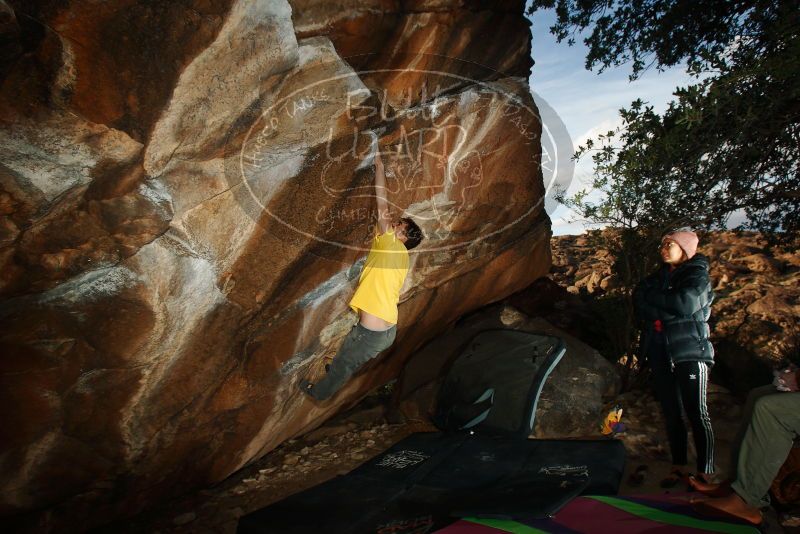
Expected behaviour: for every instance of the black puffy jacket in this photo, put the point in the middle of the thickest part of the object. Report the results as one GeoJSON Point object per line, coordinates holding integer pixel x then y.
{"type": "Point", "coordinates": [681, 300]}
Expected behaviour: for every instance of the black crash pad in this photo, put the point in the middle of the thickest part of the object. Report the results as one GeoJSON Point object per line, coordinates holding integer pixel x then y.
{"type": "Point", "coordinates": [433, 479]}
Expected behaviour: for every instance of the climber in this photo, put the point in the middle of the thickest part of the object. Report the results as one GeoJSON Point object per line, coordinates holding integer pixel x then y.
{"type": "Point", "coordinates": [377, 295]}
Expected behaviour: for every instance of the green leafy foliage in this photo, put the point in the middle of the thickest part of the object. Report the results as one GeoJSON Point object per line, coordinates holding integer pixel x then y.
{"type": "Point", "coordinates": [730, 142]}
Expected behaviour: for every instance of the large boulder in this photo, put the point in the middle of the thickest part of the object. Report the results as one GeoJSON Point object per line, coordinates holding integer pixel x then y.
{"type": "Point", "coordinates": [754, 316]}
{"type": "Point", "coordinates": [572, 399]}
{"type": "Point", "coordinates": [185, 203]}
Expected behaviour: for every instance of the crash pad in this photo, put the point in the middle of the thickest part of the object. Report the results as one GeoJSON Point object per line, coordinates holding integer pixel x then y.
{"type": "Point", "coordinates": [433, 479]}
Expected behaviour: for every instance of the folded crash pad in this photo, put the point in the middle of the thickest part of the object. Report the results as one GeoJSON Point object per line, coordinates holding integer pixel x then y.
{"type": "Point", "coordinates": [493, 385]}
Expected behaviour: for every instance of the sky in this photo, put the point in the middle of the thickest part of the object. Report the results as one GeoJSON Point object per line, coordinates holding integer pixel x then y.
{"type": "Point", "coordinates": [586, 102]}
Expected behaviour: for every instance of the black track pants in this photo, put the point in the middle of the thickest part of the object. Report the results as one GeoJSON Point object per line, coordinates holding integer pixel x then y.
{"type": "Point", "coordinates": [679, 389]}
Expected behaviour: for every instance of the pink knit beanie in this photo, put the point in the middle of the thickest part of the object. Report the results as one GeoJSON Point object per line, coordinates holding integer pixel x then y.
{"type": "Point", "coordinates": [685, 239]}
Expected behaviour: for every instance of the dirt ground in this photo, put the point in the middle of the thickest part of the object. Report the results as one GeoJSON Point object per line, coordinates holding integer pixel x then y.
{"type": "Point", "coordinates": [354, 437]}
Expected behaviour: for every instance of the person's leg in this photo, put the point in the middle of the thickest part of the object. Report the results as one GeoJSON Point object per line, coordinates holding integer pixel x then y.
{"type": "Point", "coordinates": [747, 415]}
{"type": "Point", "coordinates": [774, 425]}
{"type": "Point", "coordinates": [360, 345]}
{"type": "Point", "coordinates": [775, 422]}
{"type": "Point", "coordinates": [667, 394]}
{"type": "Point", "coordinates": [341, 367]}
{"type": "Point", "coordinates": [692, 379]}
{"type": "Point", "coordinates": [721, 489]}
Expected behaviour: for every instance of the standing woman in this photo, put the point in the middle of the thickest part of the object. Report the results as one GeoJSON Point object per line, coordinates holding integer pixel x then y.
{"type": "Point", "coordinates": [674, 304]}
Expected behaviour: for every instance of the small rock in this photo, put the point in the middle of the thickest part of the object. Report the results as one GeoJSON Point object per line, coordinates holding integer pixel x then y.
{"type": "Point", "coordinates": [326, 432]}
{"type": "Point", "coordinates": [291, 459]}
{"type": "Point", "coordinates": [511, 316]}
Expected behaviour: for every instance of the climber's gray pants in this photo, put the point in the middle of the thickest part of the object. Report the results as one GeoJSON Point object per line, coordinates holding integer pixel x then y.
{"type": "Point", "coordinates": [360, 346]}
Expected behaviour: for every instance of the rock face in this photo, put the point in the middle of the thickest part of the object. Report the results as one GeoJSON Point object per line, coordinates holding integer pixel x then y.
{"type": "Point", "coordinates": [185, 203]}
{"type": "Point", "coordinates": [757, 305]}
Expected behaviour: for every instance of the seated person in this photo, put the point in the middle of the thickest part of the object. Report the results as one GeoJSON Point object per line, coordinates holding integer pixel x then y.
{"type": "Point", "coordinates": [772, 422]}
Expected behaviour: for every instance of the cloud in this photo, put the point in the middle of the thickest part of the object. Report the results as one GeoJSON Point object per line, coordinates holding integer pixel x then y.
{"type": "Point", "coordinates": [603, 127]}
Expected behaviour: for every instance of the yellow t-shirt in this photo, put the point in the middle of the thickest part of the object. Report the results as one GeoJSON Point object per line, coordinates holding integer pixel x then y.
{"type": "Point", "coordinates": [384, 271]}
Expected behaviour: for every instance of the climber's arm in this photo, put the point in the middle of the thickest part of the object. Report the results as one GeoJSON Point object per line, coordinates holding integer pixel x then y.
{"type": "Point", "coordinates": [384, 218]}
